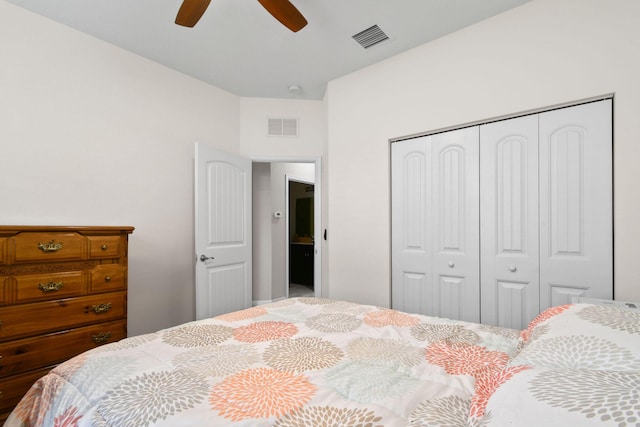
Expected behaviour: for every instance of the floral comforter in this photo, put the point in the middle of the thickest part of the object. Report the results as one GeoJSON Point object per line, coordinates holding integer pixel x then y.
{"type": "Point", "coordinates": [320, 362]}
{"type": "Point", "coordinates": [298, 362]}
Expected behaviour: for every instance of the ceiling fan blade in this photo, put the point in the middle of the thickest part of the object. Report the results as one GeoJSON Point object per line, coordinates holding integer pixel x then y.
{"type": "Point", "coordinates": [191, 11]}
{"type": "Point", "coordinates": [286, 13]}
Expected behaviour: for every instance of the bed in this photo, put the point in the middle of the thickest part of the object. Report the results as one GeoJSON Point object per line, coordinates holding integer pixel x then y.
{"type": "Point", "coordinates": [322, 362]}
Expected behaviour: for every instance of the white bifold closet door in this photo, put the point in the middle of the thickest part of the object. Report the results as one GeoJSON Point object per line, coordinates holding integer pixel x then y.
{"type": "Point", "coordinates": [576, 204]}
{"type": "Point", "coordinates": [546, 212]}
{"type": "Point", "coordinates": [509, 223]}
{"type": "Point", "coordinates": [497, 222]}
{"type": "Point", "coordinates": [435, 228]}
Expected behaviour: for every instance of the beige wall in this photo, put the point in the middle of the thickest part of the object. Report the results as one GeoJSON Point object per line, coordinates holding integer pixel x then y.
{"type": "Point", "coordinates": [540, 54]}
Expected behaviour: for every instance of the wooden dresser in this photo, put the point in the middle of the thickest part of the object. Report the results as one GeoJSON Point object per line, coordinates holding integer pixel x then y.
{"type": "Point", "coordinates": [63, 290]}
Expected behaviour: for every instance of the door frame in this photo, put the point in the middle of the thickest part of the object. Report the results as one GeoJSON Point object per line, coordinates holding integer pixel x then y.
{"type": "Point", "coordinates": [317, 214]}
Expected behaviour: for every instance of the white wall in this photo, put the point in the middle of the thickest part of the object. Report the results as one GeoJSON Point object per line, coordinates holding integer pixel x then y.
{"type": "Point", "coordinates": [93, 135]}
{"type": "Point", "coordinates": [256, 144]}
{"type": "Point", "coordinates": [540, 54]}
{"type": "Point", "coordinates": [262, 220]}
{"type": "Point", "coordinates": [309, 145]}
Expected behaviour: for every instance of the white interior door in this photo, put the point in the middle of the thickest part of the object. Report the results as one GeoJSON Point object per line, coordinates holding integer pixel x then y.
{"type": "Point", "coordinates": [222, 232]}
{"type": "Point", "coordinates": [576, 225]}
{"type": "Point", "coordinates": [509, 222]}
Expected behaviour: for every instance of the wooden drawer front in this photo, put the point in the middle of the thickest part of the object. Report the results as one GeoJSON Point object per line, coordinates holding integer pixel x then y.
{"type": "Point", "coordinates": [4, 289]}
{"type": "Point", "coordinates": [107, 277]}
{"type": "Point", "coordinates": [104, 246]}
{"type": "Point", "coordinates": [4, 241]}
{"type": "Point", "coordinates": [32, 353]}
{"type": "Point", "coordinates": [48, 246]}
{"type": "Point", "coordinates": [26, 319]}
{"type": "Point", "coordinates": [38, 287]}
{"type": "Point", "coordinates": [13, 388]}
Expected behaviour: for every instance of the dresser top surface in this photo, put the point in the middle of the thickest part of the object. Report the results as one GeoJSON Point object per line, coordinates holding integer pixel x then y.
{"type": "Point", "coordinates": [12, 229]}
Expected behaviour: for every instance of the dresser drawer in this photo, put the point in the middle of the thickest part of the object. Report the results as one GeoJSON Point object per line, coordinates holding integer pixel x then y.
{"type": "Point", "coordinates": [107, 277]}
{"type": "Point", "coordinates": [27, 319]}
{"type": "Point", "coordinates": [4, 242]}
{"type": "Point", "coordinates": [4, 288]}
{"type": "Point", "coordinates": [31, 247]}
{"type": "Point", "coordinates": [13, 388]}
{"type": "Point", "coordinates": [39, 287]}
{"type": "Point", "coordinates": [33, 353]}
{"type": "Point", "coordinates": [104, 246]}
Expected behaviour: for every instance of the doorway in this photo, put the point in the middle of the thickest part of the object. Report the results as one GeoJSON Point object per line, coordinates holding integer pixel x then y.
{"type": "Point", "coordinates": [272, 224]}
{"type": "Point", "coordinates": [301, 236]}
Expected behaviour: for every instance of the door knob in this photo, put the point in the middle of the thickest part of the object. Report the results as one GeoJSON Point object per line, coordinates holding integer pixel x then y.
{"type": "Point", "coordinates": [203, 257]}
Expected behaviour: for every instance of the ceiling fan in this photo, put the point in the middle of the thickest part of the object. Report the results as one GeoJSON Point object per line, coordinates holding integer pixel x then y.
{"type": "Point", "coordinates": [192, 10]}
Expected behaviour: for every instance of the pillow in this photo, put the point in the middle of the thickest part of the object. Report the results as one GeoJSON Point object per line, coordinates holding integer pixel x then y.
{"type": "Point", "coordinates": [566, 397]}
{"type": "Point", "coordinates": [582, 336]}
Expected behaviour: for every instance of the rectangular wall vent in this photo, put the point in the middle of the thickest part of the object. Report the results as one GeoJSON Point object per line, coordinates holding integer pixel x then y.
{"type": "Point", "coordinates": [370, 37]}
{"type": "Point", "coordinates": [282, 127]}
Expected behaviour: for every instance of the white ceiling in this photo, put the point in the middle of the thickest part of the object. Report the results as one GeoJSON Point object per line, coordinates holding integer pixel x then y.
{"type": "Point", "coordinates": [239, 47]}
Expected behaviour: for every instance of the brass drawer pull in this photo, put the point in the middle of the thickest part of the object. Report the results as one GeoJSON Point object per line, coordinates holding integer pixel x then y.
{"type": "Point", "coordinates": [52, 246]}
{"type": "Point", "coordinates": [104, 247]}
{"type": "Point", "coordinates": [101, 308]}
{"type": "Point", "coordinates": [107, 278]}
{"type": "Point", "coordinates": [50, 286]}
{"type": "Point", "coordinates": [101, 337]}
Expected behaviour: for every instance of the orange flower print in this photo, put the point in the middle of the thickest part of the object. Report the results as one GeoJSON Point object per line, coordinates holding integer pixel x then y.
{"type": "Point", "coordinates": [488, 367]}
{"type": "Point", "coordinates": [547, 314]}
{"type": "Point", "coordinates": [264, 331]}
{"type": "Point", "coordinates": [260, 393]}
{"type": "Point", "coordinates": [387, 317]}
{"type": "Point", "coordinates": [249, 313]}
{"type": "Point", "coordinates": [465, 359]}
{"type": "Point", "coordinates": [36, 403]}
{"type": "Point", "coordinates": [69, 418]}
{"type": "Point", "coordinates": [487, 384]}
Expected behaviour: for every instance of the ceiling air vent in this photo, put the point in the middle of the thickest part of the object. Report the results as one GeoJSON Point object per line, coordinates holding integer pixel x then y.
{"type": "Point", "coordinates": [283, 127]}
{"type": "Point", "coordinates": [371, 36]}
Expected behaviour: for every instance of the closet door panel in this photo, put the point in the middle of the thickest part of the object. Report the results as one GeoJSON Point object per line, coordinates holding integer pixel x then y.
{"type": "Point", "coordinates": [455, 226]}
{"type": "Point", "coordinates": [509, 222]}
{"type": "Point", "coordinates": [412, 288]}
{"type": "Point", "coordinates": [576, 226]}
